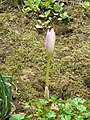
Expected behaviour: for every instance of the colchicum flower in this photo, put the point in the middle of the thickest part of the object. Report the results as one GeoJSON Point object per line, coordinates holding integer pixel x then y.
{"type": "Point", "coordinates": [50, 41]}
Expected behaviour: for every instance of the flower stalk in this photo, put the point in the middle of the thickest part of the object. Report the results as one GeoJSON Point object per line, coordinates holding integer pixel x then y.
{"type": "Point", "coordinates": [50, 42]}
{"type": "Point", "coordinates": [47, 72]}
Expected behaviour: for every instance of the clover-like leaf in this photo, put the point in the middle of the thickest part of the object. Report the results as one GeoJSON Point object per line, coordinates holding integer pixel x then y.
{"type": "Point", "coordinates": [81, 108]}
{"type": "Point", "coordinates": [51, 114]}
{"type": "Point", "coordinates": [65, 117]}
{"type": "Point", "coordinates": [17, 117]}
{"type": "Point", "coordinates": [78, 100]}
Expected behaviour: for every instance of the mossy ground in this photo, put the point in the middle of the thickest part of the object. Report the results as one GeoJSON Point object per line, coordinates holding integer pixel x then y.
{"type": "Point", "coordinates": [23, 55]}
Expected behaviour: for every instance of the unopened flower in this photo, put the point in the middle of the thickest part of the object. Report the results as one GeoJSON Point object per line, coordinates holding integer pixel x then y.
{"type": "Point", "coordinates": [50, 41]}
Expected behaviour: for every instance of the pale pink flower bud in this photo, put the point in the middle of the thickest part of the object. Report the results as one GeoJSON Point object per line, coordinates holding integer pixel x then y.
{"type": "Point", "coordinates": [50, 41]}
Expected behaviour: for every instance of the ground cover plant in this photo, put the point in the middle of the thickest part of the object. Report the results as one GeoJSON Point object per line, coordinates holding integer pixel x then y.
{"type": "Point", "coordinates": [23, 56]}
{"type": "Point", "coordinates": [55, 109]}
{"type": "Point", "coordinates": [46, 9]}
{"type": "Point", "coordinates": [86, 5]}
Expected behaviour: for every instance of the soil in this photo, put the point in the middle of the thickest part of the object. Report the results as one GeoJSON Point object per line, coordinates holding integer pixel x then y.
{"type": "Point", "coordinates": [23, 55]}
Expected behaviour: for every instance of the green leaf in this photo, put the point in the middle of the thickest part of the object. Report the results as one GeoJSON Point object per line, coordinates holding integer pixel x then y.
{"type": "Point", "coordinates": [46, 14]}
{"type": "Point", "coordinates": [79, 118]}
{"type": "Point", "coordinates": [30, 3]}
{"type": "Point", "coordinates": [43, 101]}
{"type": "Point", "coordinates": [81, 108]}
{"type": "Point", "coordinates": [68, 111]}
{"type": "Point", "coordinates": [60, 105]}
{"type": "Point", "coordinates": [51, 114]}
{"type": "Point", "coordinates": [17, 117]}
{"type": "Point", "coordinates": [64, 15]}
{"type": "Point", "coordinates": [78, 100]}
{"type": "Point", "coordinates": [29, 116]}
{"type": "Point", "coordinates": [87, 114]}
{"type": "Point", "coordinates": [26, 105]}
{"type": "Point", "coordinates": [61, 5]}
{"type": "Point", "coordinates": [52, 1]}
{"type": "Point", "coordinates": [56, 7]}
{"type": "Point", "coordinates": [53, 99]}
{"type": "Point", "coordinates": [65, 117]}
{"type": "Point", "coordinates": [47, 5]}
{"type": "Point", "coordinates": [86, 4]}
{"type": "Point", "coordinates": [37, 2]}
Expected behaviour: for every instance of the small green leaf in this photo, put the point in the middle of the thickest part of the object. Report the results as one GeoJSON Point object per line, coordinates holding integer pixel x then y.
{"type": "Point", "coordinates": [65, 117]}
{"type": "Point", "coordinates": [68, 111]}
{"type": "Point", "coordinates": [78, 100]}
{"type": "Point", "coordinates": [47, 5]}
{"type": "Point", "coordinates": [56, 8]}
{"type": "Point", "coordinates": [60, 105]}
{"type": "Point", "coordinates": [79, 118]}
{"type": "Point", "coordinates": [53, 99]}
{"type": "Point", "coordinates": [43, 101]}
{"type": "Point", "coordinates": [29, 116]}
{"type": "Point", "coordinates": [86, 4]}
{"type": "Point", "coordinates": [81, 108]}
{"type": "Point", "coordinates": [52, 1]}
{"type": "Point", "coordinates": [64, 15]}
{"type": "Point", "coordinates": [51, 114]}
{"type": "Point", "coordinates": [17, 117]}
{"type": "Point", "coordinates": [37, 2]}
{"type": "Point", "coordinates": [26, 105]}
{"type": "Point", "coordinates": [61, 5]}
{"type": "Point", "coordinates": [31, 3]}
{"type": "Point", "coordinates": [46, 14]}
{"type": "Point", "coordinates": [87, 114]}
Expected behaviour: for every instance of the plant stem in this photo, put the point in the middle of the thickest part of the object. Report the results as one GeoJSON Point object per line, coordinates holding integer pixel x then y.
{"type": "Point", "coordinates": [48, 69]}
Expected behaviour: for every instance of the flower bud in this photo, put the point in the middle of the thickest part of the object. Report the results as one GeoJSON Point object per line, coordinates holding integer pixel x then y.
{"type": "Point", "coordinates": [50, 41]}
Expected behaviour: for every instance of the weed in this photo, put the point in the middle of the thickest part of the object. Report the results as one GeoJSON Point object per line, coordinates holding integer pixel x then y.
{"type": "Point", "coordinates": [5, 96]}
{"type": "Point", "coordinates": [54, 109]}
{"type": "Point", "coordinates": [47, 10]}
{"type": "Point", "coordinates": [86, 5]}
